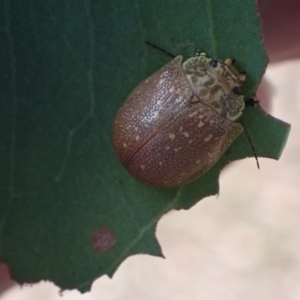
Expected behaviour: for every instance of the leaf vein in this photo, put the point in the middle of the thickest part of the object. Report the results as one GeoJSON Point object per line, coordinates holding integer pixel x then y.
{"type": "Point", "coordinates": [211, 27]}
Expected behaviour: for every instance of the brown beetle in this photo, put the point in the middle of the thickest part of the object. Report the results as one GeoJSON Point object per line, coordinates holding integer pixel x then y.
{"type": "Point", "coordinates": [176, 124]}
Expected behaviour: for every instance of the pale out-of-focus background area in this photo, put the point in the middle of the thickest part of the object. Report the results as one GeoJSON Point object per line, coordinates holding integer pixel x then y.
{"type": "Point", "coordinates": [243, 244]}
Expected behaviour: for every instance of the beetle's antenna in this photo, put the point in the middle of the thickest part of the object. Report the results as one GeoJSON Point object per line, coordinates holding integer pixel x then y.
{"type": "Point", "coordinates": [160, 49]}
{"type": "Point", "coordinates": [251, 144]}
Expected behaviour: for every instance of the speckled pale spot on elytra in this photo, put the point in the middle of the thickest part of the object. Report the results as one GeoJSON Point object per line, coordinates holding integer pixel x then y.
{"type": "Point", "coordinates": [160, 83]}
{"type": "Point", "coordinates": [158, 103]}
{"type": "Point", "coordinates": [160, 163]}
{"type": "Point", "coordinates": [193, 114]}
{"type": "Point", "coordinates": [201, 124]}
{"type": "Point", "coordinates": [136, 128]}
{"type": "Point", "coordinates": [190, 141]}
{"type": "Point", "coordinates": [185, 91]}
{"type": "Point", "coordinates": [208, 138]}
{"type": "Point", "coordinates": [167, 148]}
{"type": "Point", "coordinates": [178, 91]}
{"type": "Point", "coordinates": [179, 99]}
{"type": "Point", "coordinates": [186, 134]}
{"type": "Point", "coordinates": [124, 145]}
{"type": "Point", "coordinates": [137, 138]}
{"type": "Point", "coordinates": [176, 150]}
{"type": "Point", "coordinates": [156, 115]}
{"type": "Point", "coordinates": [172, 136]}
{"type": "Point", "coordinates": [142, 167]}
{"type": "Point", "coordinates": [172, 89]}
{"type": "Point", "coordinates": [180, 128]}
{"type": "Point", "coordinates": [198, 161]}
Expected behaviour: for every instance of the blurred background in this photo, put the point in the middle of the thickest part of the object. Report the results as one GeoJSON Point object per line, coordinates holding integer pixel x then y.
{"type": "Point", "coordinates": [243, 244]}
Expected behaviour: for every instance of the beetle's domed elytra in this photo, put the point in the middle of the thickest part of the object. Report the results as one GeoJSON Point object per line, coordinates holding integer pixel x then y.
{"type": "Point", "coordinates": [149, 105]}
{"type": "Point", "coordinates": [176, 124]}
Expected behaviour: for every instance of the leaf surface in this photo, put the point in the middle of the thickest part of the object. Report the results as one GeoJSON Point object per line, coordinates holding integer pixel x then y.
{"type": "Point", "coordinates": [69, 212]}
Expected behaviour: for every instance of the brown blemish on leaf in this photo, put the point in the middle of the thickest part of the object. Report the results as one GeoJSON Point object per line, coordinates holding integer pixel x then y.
{"type": "Point", "coordinates": [103, 239]}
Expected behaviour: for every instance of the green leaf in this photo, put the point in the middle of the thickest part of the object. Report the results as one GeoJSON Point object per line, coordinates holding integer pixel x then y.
{"type": "Point", "coordinates": [67, 67]}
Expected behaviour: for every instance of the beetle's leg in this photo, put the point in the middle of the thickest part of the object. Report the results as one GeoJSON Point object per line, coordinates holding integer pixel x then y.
{"type": "Point", "coordinates": [252, 102]}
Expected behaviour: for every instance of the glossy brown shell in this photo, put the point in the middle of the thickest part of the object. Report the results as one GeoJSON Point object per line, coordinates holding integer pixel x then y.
{"type": "Point", "coordinates": [175, 125]}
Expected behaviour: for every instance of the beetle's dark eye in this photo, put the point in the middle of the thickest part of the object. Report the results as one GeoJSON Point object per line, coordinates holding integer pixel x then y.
{"type": "Point", "coordinates": [213, 63]}
{"type": "Point", "coordinates": [237, 90]}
